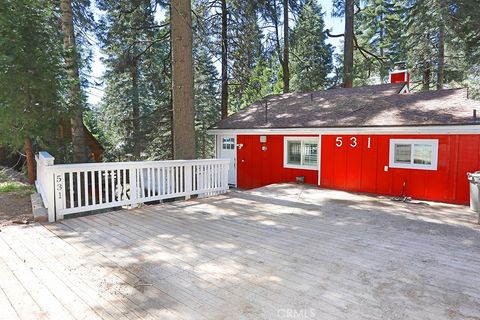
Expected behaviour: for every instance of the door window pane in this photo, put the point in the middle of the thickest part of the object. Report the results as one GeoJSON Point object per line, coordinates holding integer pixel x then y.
{"type": "Point", "coordinates": [228, 144]}
{"type": "Point", "coordinates": [310, 153]}
{"type": "Point", "coordinates": [294, 152]}
{"type": "Point", "coordinates": [422, 154]}
{"type": "Point", "coordinates": [403, 153]}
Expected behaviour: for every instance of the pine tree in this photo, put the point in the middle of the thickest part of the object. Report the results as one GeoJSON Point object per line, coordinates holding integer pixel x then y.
{"type": "Point", "coordinates": [380, 42]}
{"type": "Point", "coordinates": [137, 93]}
{"type": "Point", "coordinates": [72, 65]}
{"type": "Point", "coordinates": [311, 55]}
{"type": "Point", "coordinates": [32, 79]}
{"type": "Point", "coordinates": [246, 51]}
{"type": "Point", "coordinates": [206, 101]}
{"type": "Point", "coordinates": [182, 80]}
{"type": "Point", "coordinates": [208, 104]}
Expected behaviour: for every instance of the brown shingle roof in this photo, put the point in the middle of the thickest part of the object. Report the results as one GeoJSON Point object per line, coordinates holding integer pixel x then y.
{"type": "Point", "coordinates": [377, 105]}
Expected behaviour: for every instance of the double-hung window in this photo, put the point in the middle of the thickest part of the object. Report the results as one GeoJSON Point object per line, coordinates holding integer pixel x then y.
{"type": "Point", "coordinates": [414, 153]}
{"type": "Point", "coordinates": [301, 153]}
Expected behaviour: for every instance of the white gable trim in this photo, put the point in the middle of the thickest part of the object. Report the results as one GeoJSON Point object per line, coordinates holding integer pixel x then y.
{"type": "Point", "coordinates": [459, 129]}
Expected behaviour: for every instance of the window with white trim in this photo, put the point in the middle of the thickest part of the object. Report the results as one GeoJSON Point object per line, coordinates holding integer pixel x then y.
{"type": "Point", "coordinates": [414, 153]}
{"type": "Point", "coordinates": [228, 143]}
{"type": "Point", "coordinates": [301, 153]}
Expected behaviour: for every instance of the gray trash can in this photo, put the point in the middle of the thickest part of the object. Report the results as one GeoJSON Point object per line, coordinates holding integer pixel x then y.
{"type": "Point", "coordinates": [474, 180]}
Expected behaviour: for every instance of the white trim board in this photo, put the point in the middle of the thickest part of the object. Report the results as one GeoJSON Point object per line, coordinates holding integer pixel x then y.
{"type": "Point", "coordinates": [460, 129]}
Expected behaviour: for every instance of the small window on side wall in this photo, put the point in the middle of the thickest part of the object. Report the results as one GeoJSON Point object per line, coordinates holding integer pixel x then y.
{"type": "Point", "coordinates": [301, 153]}
{"type": "Point", "coordinates": [414, 154]}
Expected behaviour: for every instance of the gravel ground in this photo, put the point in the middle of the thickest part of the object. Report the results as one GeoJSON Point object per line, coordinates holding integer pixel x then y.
{"type": "Point", "coordinates": [15, 207]}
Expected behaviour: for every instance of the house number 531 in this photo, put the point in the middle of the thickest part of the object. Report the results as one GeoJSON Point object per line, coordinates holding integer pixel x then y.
{"type": "Point", "coordinates": [352, 142]}
{"type": "Point", "coordinates": [59, 186]}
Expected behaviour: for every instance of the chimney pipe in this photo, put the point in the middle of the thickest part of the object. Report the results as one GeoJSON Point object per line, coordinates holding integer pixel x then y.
{"type": "Point", "coordinates": [400, 74]}
{"type": "Point", "coordinates": [266, 110]}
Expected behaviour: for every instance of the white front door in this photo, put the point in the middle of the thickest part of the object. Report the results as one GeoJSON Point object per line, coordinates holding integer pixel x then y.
{"type": "Point", "coordinates": [228, 150]}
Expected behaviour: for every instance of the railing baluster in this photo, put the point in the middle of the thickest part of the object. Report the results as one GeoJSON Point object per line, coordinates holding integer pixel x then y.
{"type": "Point", "coordinates": [176, 180]}
{"type": "Point", "coordinates": [182, 182]}
{"type": "Point", "coordinates": [169, 179]}
{"type": "Point", "coordinates": [142, 184]}
{"type": "Point", "coordinates": [150, 182]}
{"type": "Point", "coordinates": [94, 188]}
{"type": "Point", "coordinates": [158, 182]}
{"type": "Point", "coordinates": [107, 187]}
{"type": "Point", "coordinates": [85, 175]}
{"type": "Point", "coordinates": [124, 184]}
{"type": "Point", "coordinates": [79, 189]}
{"type": "Point", "coordinates": [71, 191]}
{"type": "Point", "coordinates": [113, 186]}
{"type": "Point", "coordinates": [100, 186]}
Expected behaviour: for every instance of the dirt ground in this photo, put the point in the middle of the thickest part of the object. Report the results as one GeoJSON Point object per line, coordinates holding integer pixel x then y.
{"type": "Point", "coordinates": [15, 207]}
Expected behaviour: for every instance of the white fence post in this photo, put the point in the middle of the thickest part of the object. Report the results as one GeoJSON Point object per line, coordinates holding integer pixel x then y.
{"type": "Point", "coordinates": [225, 176]}
{"type": "Point", "coordinates": [188, 181]}
{"type": "Point", "coordinates": [45, 182]}
{"type": "Point", "coordinates": [133, 186]}
{"type": "Point", "coordinates": [59, 186]}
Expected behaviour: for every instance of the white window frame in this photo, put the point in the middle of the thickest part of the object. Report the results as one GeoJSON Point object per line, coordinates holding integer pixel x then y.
{"type": "Point", "coordinates": [411, 165]}
{"type": "Point", "coordinates": [232, 144]}
{"type": "Point", "coordinates": [302, 140]}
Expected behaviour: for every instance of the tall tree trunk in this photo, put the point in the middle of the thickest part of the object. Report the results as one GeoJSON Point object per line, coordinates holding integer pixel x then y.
{"type": "Point", "coordinates": [426, 77]}
{"type": "Point", "coordinates": [30, 161]}
{"type": "Point", "coordinates": [383, 72]}
{"type": "Point", "coordinates": [348, 46]}
{"type": "Point", "coordinates": [441, 46]}
{"type": "Point", "coordinates": [135, 111]}
{"type": "Point", "coordinates": [204, 139]}
{"type": "Point", "coordinates": [182, 80]}
{"type": "Point", "coordinates": [80, 153]}
{"type": "Point", "coordinates": [286, 69]}
{"type": "Point", "coordinates": [274, 15]}
{"type": "Point", "coordinates": [224, 108]}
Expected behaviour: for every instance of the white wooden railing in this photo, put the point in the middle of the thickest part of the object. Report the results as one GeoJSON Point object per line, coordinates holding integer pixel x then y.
{"type": "Point", "coordinates": [74, 188]}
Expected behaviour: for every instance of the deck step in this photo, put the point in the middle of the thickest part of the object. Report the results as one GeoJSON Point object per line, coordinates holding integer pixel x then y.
{"type": "Point", "coordinates": [40, 213]}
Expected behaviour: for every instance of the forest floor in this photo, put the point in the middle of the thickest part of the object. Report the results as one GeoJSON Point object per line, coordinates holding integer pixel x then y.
{"type": "Point", "coordinates": [15, 204]}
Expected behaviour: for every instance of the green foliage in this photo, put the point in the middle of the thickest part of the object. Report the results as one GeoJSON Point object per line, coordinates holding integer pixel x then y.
{"type": "Point", "coordinates": [207, 101]}
{"type": "Point", "coordinates": [379, 29]}
{"type": "Point", "coordinates": [135, 111]}
{"type": "Point", "coordinates": [15, 186]}
{"type": "Point", "coordinates": [246, 53]}
{"type": "Point", "coordinates": [311, 55]}
{"type": "Point", "coordinates": [31, 77]}
{"type": "Point", "coordinates": [206, 84]}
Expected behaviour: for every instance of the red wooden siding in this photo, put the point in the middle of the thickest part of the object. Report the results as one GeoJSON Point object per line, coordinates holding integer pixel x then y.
{"type": "Point", "coordinates": [361, 169]}
{"type": "Point", "coordinates": [256, 168]}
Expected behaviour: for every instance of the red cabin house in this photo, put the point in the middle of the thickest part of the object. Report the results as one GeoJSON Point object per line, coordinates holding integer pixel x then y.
{"type": "Point", "coordinates": [378, 139]}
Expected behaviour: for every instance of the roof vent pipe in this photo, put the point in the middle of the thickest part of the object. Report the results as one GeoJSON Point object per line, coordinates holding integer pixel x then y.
{"type": "Point", "coordinates": [475, 115]}
{"type": "Point", "coordinates": [266, 110]}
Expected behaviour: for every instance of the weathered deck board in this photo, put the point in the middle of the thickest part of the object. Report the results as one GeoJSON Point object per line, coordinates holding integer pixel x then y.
{"type": "Point", "coordinates": [270, 253]}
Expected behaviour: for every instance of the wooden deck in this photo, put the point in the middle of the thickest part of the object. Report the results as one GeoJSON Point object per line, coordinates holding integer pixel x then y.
{"type": "Point", "coordinates": [280, 252]}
